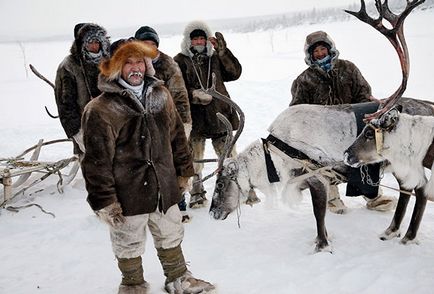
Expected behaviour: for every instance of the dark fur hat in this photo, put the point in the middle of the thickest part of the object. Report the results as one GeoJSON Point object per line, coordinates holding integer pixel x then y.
{"type": "Point", "coordinates": [147, 33]}
{"type": "Point", "coordinates": [197, 33]}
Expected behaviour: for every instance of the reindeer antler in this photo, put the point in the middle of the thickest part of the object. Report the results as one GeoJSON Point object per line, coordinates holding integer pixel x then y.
{"type": "Point", "coordinates": [396, 36]}
{"type": "Point", "coordinates": [230, 140]}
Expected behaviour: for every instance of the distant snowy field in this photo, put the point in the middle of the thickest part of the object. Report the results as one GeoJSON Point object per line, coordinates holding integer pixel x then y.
{"type": "Point", "coordinates": [272, 252]}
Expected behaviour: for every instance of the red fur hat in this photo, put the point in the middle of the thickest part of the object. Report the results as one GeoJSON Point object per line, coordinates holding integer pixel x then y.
{"type": "Point", "coordinates": [112, 68]}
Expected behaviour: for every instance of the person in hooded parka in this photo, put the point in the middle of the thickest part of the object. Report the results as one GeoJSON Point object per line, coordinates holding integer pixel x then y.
{"type": "Point", "coordinates": [77, 78]}
{"type": "Point", "coordinates": [329, 80]}
{"type": "Point", "coordinates": [202, 55]}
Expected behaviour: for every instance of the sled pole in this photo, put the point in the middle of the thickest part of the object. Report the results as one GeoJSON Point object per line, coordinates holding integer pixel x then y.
{"type": "Point", "coordinates": [39, 75]}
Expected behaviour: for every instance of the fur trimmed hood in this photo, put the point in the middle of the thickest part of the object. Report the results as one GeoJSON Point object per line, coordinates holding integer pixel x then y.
{"type": "Point", "coordinates": [186, 41]}
{"type": "Point", "coordinates": [86, 32]}
{"type": "Point", "coordinates": [111, 68]}
{"type": "Point", "coordinates": [314, 38]}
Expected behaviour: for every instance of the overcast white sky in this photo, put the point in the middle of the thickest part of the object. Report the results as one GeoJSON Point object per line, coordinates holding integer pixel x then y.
{"type": "Point", "coordinates": [54, 17]}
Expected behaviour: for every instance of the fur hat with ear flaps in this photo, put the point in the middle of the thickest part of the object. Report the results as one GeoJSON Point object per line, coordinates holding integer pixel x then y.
{"type": "Point", "coordinates": [111, 68]}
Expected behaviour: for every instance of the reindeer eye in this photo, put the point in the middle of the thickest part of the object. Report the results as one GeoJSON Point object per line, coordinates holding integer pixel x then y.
{"type": "Point", "coordinates": [220, 185]}
{"type": "Point", "coordinates": [369, 134]}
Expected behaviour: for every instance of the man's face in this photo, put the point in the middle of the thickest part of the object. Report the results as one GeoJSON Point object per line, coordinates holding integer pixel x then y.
{"type": "Point", "coordinates": [198, 41]}
{"type": "Point", "coordinates": [320, 52]}
{"type": "Point", "coordinates": [133, 71]}
{"type": "Point", "coordinates": [93, 46]}
{"type": "Point", "coordinates": [150, 43]}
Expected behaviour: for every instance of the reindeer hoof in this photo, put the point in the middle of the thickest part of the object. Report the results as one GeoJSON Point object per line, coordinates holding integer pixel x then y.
{"type": "Point", "coordinates": [322, 245]}
{"type": "Point", "coordinates": [408, 241]}
{"type": "Point", "coordinates": [387, 235]}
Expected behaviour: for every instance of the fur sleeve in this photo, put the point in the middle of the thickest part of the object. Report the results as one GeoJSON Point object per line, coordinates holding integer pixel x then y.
{"type": "Point", "coordinates": [66, 99]}
{"type": "Point", "coordinates": [182, 158]}
{"type": "Point", "coordinates": [97, 164]}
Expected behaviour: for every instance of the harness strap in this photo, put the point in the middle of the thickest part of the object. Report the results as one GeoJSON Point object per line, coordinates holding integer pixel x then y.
{"type": "Point", "coordinates": [288, 150]}
{"type": "Point", "coordinates": [271, 169]}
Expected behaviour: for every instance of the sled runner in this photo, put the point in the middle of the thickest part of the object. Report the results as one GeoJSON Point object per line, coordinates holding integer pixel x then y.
{"type": "Point", "coordinates": [16, 171]}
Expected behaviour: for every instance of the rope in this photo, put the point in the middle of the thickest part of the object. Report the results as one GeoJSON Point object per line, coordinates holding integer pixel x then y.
{"type": "Point", "coordinates": [17, 208]}
{"type": "Point", "coordinates": [198, 76]}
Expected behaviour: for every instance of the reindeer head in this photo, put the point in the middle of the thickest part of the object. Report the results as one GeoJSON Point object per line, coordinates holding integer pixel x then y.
{"type": "Point", "coordinates": [227, 191]}
{"type": "Point", "coordinates": [368, 147]}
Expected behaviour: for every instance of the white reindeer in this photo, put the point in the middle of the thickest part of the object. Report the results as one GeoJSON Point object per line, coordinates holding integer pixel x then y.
{"type": "Point", "coordinates": [406, 142]}
{"type": "Point", "coordinates": [319, 133]}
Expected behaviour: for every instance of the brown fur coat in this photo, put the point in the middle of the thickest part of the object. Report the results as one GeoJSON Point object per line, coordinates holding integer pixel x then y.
{"type": "Point", "coordinates": [133, 152]}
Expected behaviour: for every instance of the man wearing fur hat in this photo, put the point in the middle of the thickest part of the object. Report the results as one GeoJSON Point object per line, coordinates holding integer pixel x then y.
{"type": "Point", "coordinates": [77, 78]}
{"type": "Point", "coordinates": [329, 80]}
{"type": "Point", "coordinates": [201, 55]}
{"type": "Point", "coordinates": [167, 70]}
{"type": "Point", "coordinates": [136, 160]}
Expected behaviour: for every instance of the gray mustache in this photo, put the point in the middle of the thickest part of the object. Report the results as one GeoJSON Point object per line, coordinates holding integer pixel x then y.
{"type": "Point", "coordinates": [135, 73]}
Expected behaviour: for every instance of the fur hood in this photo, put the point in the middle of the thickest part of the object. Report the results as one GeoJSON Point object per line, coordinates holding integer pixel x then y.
{"type": "Point", "coordinates": [86, 32]}
{"type": "Point", "coordinates": [112, 68]}
{"type": "Point", "coordinates": [186, 41]}
{"type": "Point", "coordinates": [316, 37]}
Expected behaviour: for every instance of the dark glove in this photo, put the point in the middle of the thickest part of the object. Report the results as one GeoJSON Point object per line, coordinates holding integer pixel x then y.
{"type": "Point", "coordinates": [111, 215]}
{"type": "Point", "coordinates": [221, 43]}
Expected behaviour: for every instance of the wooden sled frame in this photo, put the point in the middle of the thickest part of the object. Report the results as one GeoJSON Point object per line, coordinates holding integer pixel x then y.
{"type": "Point", "coordinates": [18, 167]}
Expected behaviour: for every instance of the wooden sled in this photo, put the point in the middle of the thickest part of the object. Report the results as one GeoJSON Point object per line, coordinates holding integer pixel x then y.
{"type": "Point", "coordinates": [21, 169]}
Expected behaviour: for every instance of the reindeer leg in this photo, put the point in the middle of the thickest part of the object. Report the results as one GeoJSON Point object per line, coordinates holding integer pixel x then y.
{"type": "Point", "coordinates": [416, 217]}
{"type": "Point", "coordinates": [393, 230]}
{"type": "Point", "coordinates": [319, 202]}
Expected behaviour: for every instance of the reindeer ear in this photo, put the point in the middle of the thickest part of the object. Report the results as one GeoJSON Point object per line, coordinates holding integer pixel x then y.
{"type": "Point", "coordinates": [399, 108]}
{"type": "Point", "coordinates": [389, 119]}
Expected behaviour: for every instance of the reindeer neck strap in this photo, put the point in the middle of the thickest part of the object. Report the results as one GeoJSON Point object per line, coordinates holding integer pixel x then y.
{"type": "Point", "coordinates": [288, 150]}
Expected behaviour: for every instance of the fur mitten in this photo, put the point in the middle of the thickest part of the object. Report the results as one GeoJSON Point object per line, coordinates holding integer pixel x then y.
{"type": "Point", "coordinates": [111, 215]}
{"type": "Point", "coordinates": [200, 97]}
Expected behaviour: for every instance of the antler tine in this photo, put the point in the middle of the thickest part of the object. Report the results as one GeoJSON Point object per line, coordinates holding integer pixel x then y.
{"type": "Point", "coordinates": [213, 92]}
{"type": "Point", "coordinates": [230, 139]}
{"type": "Point", "coordinates": [226, 149]}
{"type": "Point", "coordinates": [396, 37]}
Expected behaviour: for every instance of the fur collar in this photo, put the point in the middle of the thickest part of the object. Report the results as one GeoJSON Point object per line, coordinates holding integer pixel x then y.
{"type": "Point", "coordinates": [155, 95]}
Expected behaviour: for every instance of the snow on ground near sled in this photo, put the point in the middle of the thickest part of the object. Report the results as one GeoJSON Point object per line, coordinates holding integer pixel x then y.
{"type": "Point", "coordinates": [272, 251]}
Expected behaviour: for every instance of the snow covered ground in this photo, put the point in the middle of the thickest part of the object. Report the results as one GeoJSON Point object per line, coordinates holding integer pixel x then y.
{"type": "Point", "coordinates": [272, 251]}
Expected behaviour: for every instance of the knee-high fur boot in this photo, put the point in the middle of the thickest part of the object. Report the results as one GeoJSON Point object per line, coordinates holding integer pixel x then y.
{"type": "Point", "coordinates": [132, 276]}
{"type": "Point", "coordinates": [172, 261]}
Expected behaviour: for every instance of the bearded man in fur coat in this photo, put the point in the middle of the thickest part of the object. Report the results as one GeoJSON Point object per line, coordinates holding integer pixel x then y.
{"type": "Point", "coordinates": [329, 80]}
{"type": "Point", "coordinates": [77, 78]}
{"type": "Point", "coordinates": [136, 160]}
{"type": "Point", "coordinates": [201, 56]}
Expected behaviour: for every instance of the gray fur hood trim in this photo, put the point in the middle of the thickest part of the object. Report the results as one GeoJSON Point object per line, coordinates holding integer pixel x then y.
{"type": "Point", "coordinates": [315, 37]}
{"type": "Point", "coordinates": [87, 31]}
{"type": "Point", "coordinates": [186, 42]}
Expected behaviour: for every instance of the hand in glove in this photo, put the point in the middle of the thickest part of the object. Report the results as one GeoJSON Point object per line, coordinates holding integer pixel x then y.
{"type": "Point", "coordinates": [78, 138]}
{"type": "Point", "coordinates": [218, 43]}
{"type": "Point", "coordinates": [200, 97]}
{"type": "Point", "coordinates": [111, 215]}
{"type": "Point", "coordinates": [184, 183]}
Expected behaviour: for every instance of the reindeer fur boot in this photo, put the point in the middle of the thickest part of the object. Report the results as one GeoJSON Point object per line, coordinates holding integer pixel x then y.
{"type": "Point", "coordinates": [178, 279]}
{"type": "Point", "coordinates": [187, 284]}
{"type": "Point", "coordinates": [132, 276]}
{"type": "Point", "coordinates": [381, 202]}
{"type": "Point", "coordinates": [197, 193]}
{"type": "Point", "coordinates": [334, 202]}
